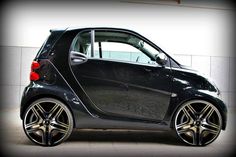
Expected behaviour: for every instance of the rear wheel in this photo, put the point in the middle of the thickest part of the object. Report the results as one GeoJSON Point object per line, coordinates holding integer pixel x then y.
{"type": "Point", "coordinates": [48, 122]}
{"type": "Point", "coordinates": [198, 123]}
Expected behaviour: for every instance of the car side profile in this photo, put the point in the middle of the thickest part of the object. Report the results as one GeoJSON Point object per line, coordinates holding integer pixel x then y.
{"type": "Point", "coordinates": [113, 78]}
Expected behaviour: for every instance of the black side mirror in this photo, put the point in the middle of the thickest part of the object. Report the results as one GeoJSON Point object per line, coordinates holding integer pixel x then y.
{"type": "Point", "coordinates": [161, 58]}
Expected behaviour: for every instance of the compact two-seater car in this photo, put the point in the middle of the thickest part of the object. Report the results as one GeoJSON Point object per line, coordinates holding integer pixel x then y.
{"type": "Point", "coordinates": [116, 79]}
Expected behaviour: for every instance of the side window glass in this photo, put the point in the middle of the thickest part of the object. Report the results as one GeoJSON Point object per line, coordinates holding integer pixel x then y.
{"type": "Point", "coordinates": [113, 45]}
{"type": "Point", "coordinates": [122, 52]}
{"type": "Point", "coordinates": [121, 47]}
{"type": "Point", "coordinates": [82, 43]}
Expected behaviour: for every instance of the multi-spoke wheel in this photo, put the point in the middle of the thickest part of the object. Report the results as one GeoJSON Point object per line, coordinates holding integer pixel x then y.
{"type": "Point", "coordinates": [198, 122]}
{"type": "Point", "coordinates": [48, 122]}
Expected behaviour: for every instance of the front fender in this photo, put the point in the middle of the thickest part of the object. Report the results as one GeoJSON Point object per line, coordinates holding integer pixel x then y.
{"type": "Point", "coordinates": [193, 94]}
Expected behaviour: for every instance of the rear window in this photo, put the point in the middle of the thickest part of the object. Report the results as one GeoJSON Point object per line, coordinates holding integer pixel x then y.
{"type": "Point", "coordinates": [48, 44]}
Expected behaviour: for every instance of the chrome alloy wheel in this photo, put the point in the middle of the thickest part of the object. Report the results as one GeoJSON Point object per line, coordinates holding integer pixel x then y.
{"type": "Point", "coordinates": [198, 122]}
{"type": "Point", "coordinates": [48, 122]}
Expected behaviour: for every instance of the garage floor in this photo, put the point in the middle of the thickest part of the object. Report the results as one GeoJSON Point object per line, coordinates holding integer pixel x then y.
{"type": "Point", "coordinates": [110, 143]}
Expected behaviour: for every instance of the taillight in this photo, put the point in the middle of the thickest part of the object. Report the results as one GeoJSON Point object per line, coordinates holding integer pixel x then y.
{"type": "Point", "coordinates": [34, 76]}
{"type": "Point", "coordinates": [35, 65]}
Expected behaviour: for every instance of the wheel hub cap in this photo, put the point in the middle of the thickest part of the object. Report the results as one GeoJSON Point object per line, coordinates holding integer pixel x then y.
{"type": "Point", "coordinates": [198, 122]}
{"type": "Point", "coordinates": [46, 122]}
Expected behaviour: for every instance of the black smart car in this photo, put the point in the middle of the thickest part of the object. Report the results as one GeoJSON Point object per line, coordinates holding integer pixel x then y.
{"type": "Point", "coordinates": [116, 79]}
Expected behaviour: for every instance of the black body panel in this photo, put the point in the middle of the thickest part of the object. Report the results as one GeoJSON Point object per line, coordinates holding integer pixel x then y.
{"type": "Point", "coordinates": [113, 88]}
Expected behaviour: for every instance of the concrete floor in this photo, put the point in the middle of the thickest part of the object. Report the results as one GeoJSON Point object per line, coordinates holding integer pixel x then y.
{"type": "Point", "coordinates": [109, 143]}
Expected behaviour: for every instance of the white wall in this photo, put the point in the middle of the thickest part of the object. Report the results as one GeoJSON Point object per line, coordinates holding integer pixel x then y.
{"type": "Point", "coordinates": [185, 30]}
{"type": "Point", "coordinates": [198, 37]}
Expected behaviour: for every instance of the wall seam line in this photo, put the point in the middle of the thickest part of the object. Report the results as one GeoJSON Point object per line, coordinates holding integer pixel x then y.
{"type": "Point", "coordinates": [20, 74]}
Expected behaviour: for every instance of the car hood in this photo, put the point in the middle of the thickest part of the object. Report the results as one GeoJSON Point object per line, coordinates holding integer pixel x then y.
{"type": "Point", "coordinates": [191, 70]}
{"type": "Point", "coordinates": [194, 71]}
{"type": "Point", "coordinates": [188, 68]}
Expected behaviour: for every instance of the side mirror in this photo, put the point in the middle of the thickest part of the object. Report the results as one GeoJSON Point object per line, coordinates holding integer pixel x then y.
{"type": "Point", "coordinates": [161, 58]}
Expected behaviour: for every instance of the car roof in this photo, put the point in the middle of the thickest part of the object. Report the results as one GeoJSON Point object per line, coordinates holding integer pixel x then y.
{"type": "Point", "coordinates": [80, 28]}
{"type": "Point", "coordinates": [83, 28]}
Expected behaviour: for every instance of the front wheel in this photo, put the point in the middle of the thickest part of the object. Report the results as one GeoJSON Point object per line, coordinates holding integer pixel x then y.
{"type": "Point", "coordinates": [48, 122]}
{"type": "Point", "coordinates": [197, 122]}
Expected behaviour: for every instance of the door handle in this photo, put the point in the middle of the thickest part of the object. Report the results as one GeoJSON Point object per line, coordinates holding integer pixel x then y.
{"type": "Point", "coordinates": [77, 57]}
{"type": "Point", "coordinates": [147, 70]}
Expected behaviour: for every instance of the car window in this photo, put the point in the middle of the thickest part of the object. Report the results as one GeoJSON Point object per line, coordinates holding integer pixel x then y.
{"type": "Point", "coordinates": [120, 52]}
{"type": "Point", "coordinates": [82, 43]}
{"type": "Point", "coordinates": [116, 46]}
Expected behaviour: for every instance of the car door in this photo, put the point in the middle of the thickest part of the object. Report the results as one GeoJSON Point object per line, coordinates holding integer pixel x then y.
{"type": "Point", "coordinates": [119, 78]}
